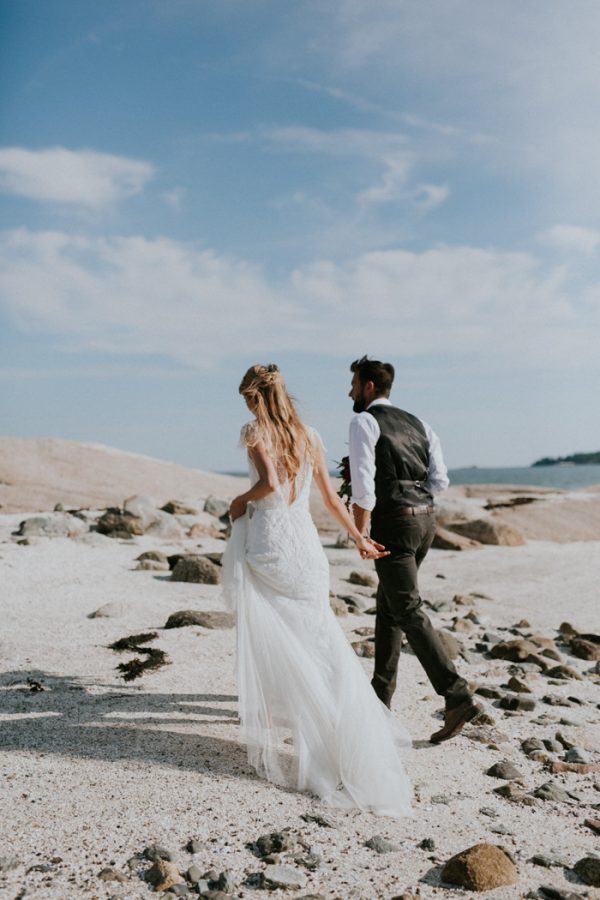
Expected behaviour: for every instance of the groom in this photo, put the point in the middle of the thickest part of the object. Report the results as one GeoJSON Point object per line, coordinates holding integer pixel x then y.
{"type": "Point", "coordinates": [396, 466]}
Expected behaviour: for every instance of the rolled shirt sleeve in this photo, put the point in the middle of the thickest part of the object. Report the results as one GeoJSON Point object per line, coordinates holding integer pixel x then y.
{"type": "Point", "coordinates": [364, 434]}
{"type": "Point", "coordinates": [437, 480]}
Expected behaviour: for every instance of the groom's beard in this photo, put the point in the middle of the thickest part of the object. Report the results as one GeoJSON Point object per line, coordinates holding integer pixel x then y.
{"type": "Point", "coordinates": [359, 405]}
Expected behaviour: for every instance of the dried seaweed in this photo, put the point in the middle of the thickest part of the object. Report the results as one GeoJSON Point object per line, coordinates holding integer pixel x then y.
{"type": "Point", "coordinates": [136, 667]}
{"type": "Point", "coordinates": [133, 641]}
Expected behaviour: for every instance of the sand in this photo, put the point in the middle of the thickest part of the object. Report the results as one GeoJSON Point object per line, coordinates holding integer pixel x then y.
{"type": "Point", "coordinates": [93, 769]}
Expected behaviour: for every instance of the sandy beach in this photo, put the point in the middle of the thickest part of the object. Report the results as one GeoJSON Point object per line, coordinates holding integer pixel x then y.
{"type": "Point", "coordinates": [96, 769]}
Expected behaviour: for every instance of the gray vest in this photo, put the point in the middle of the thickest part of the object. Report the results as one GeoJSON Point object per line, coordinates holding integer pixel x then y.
{"type": "Point", "coordinates": [401, 464]}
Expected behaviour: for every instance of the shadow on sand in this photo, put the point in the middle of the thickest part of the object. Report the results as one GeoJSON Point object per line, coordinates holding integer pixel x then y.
{"type": "Point", "coordinates": [122, 724]}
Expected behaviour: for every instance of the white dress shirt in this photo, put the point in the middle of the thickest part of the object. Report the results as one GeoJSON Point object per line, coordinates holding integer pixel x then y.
{"type": "Point", "coordinates": [364, 434]}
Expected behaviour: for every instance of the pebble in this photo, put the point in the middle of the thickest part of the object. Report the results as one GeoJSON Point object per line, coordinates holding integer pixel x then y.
{"type": "Point", "coordinates": [575, 755]}
{"type": "Point", "coordinates": [552, 745]}
{"type": "Point", "coordinates": [155, 851]}
{"type": "Point", "coordinates": [427, 844]}
{"type": "Point", "coordinates": [380, 844]}
{"type": "Point", "coordinates": [549, 860]}
{"type": "Point", "coordinates": [194, 846]}
{"type": "Point", "coordinates": [283, 877]}
{"type": "Point", "coordinates": [517, 702]}
{"type": "Point", "coordinates": [515, 684]}
{"type": "Point", "coordinates": [108, 874]}
{"type": "Point", "coordinates": [505, 769]}
{"type": "Point", "coordinates": [552, 792]}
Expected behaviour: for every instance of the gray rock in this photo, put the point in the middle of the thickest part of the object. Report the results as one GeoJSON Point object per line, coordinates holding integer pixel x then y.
{"type": "Point", "coordinates": [552, 746]}
{"type": "Point", "coordinates": [273, 842]}
{"type": "Point", "coordinates": [365, 579]}
{"type": "Point", "coordinates": [504, 769]}
{"type": "Point", "coordinates": [194, 845]}
{"type": "Point", "coordinates": [489, 531]}
{"type": "Point", "coordinates": [575, 755]}
{"type": "Point", "coordinates": [452, 646]}
{"type": "Point", "coordinates": [587, 870]}
{"type": "Point", "coordinates": [284, 877]}
{"type": "Point", "coordinates": [549, 892]}
{"type": "Point", "coordinates": [380, 844]}
{"type": "Point", "coordinates": [319, 819]}
{"type": "Point", "coordinates": [156, 555]}
{"type": "Point", "coordinates": [211, 618]}
{"type": "Point", "coordinates": [165, 527]}
{"type": "Point", "coordinates": [196, 569]}
{"type": "Point", "coordinates": [155, 851]}
{"type": "Point", "coordinates": [365, 649]}
{"type": "Point", "coordinates": [118, 524]}
{"type": "Point", "coordinates": [51, 526]}
{"type": "Point", "coordinates": [152, 565]}
{"type": "Point", "coordinates": [216, 507]}
{"type": "Point", "coordinates": [338, 606]}
{"type": "Point", "coordinates": [427, 844]}
{"type": "Point", "coordinates": [109, 874]}
{"type": "Point", "coordinates": [550, 860]}
{"type": "Point", "coordinates": [552, 792]}
{"type": "Point", "coordinates": [226, 882]}
{"type": "Point", "coordinates": [193, 874]}
{"type": "Point", "coordinates": [517, 702]}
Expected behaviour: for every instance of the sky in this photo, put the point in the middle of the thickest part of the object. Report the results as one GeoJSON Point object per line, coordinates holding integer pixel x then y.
{"type": "Point", "coordinates": [190, 187]}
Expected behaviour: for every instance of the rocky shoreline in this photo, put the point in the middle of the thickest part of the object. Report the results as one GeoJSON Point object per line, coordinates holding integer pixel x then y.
{"type": "Point", "coordinates": [122, 771]}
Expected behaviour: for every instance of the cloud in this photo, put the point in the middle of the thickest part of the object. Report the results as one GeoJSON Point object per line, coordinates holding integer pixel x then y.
{"type": "Point", "coordinates": [138, 296]}
{"type": "Point", "coordinates": [571, 238]}
{"type": "Point", "coordinates": [83, 178]}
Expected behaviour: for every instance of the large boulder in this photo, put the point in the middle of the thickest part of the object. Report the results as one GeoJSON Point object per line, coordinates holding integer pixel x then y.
{"type": "Point", "coordinates": [489, 531]}
{"type": "Point", "coordinates": [450, 540]}
{"type": "Point", "coordinates": [480, 868]}
{"type": "Point", "coordinates": [216, 507]}
{"type": "Point", "coordinates": [52, 525]}
{"type": "Point", "coordinates": [118, 523]}
{"type": "Point", "coordinates": [519, 650]}
{"type": "Point", "coordinates": [165, 527]}
{"type": "Point", "coordinates": [144, 507]}
{"type": "Point", "coordinates": [586, 646]}
{"type": "Point", "coordinates": [197, 569]}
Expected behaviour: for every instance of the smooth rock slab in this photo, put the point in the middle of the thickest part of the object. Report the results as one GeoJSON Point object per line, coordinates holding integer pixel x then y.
{"type": "Point", "coordinates": [284, 877]}
{"type": "Point", "coordinates": [480, 868]}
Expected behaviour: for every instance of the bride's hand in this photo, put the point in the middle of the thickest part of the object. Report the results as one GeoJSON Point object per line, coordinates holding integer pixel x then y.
{"type": "Point", "coordinates": [237, 508]}
{"type": "Point", "coordinates": [370, 549]}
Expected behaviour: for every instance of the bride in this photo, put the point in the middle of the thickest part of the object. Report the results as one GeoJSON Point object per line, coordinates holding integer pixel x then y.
{"type": "Point", "coordinates": [309, 716]}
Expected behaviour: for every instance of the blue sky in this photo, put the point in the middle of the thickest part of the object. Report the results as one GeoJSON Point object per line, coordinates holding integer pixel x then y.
{"type": "Point", "coordinates": [189, 187]}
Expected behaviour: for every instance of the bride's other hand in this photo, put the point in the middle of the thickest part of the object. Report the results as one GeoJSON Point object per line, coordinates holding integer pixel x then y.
{"type": "Point", "coordinates": [370, 549]}
{"type": "Point", "coordinates": [237, 508]}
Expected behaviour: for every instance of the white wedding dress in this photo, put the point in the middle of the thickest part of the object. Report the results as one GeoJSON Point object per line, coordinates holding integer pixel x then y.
{"type": "Point", "coordinates": [309, 717]}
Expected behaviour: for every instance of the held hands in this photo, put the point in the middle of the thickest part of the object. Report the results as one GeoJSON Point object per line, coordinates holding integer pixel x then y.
{"type": "Point", "coordinates": [237, 508]}
{"type": "Point", "coordinates": [370, 549]}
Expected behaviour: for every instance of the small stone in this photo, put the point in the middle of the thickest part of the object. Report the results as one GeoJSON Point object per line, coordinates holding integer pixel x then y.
{"type": "Point", "coordinates": [365, 579]}
{"type": "Point", "coordinates": [564, 672]}
{"type": "Point", "coordinates": [594, 824]}
{"type": "Point", "coordinates": [587, 646]}
{"type": "Point", "coordinates": [552, 792]}
{"type": "Point", "coordinates": [491, 693]}
{"type": "Point", "coordinates": [489, 811]}
{"type": "Point", "coordinates": [515, 793]}
{"type": "Point", "coordinates": [274, 842]}
{"type": "Point", "coordinates": [531, 745]}
{"type": "Point", "coordinates": [319, 819]}
{"type": "Point", "coordinates": [211, 618]}
{"type": "Point", "coordinates": [515, 684]}
{"type": "Point", "coordinates": [504, 769]}
{"type": "Point", "coordinates": [480, 868]}
{"type": "Point", "coordinates": [549, 892]}
{"type": "Point", "coordinates": [196, 569]}
{"type": "Point", "coordinates": [108, 874]}
{"type": "Point", "coordinates": [380, 844]}
{"type": "Point", "coordinates": [550, 860]}
{"type": "Point", "coordinates": [152, 565]}
{"type": "Point", "coordinates": [155, 851]}
{"type": "Point", "coordinates": [587, 870]}
{"type": "Point", "coordinates": [427, 844]}
{"type": "Point", "coordinates": [226, 882]}
{"type": "Point", "coordinates": [575, 755]}
{"type": "Point", "coordinates": [193, 874]}
{"type": "Point", "coordinates": [163, 875]}
{"type": "Point", "coordinates": [338, 606]}
{"type": "Point", "coordinates": [284, 877]}
{"type": "Point", "coordinates": [517, 702]}
{"type": "Point", "coordinates": [179, 890]}
{"type": "Point", "coordinates": [552, 746]}
{"type": "Point", "coordinates": [452, 646]}
{"type": "Point", "coordinates": [194, 845]}
{"type": "Point", "coordinates": [154, 555]}
{"type": "Point", "coordinates": [107, 611]}
{"type": "Point", "coordinates": [366, 649]}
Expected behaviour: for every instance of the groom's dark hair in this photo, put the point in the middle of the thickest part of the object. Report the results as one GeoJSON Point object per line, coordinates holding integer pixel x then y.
{"type": "Point", "coordinates": [380, 373]}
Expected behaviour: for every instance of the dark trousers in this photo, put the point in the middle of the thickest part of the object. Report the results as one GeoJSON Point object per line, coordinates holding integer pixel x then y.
{"type": "Point", "coordinates": [400, 611]}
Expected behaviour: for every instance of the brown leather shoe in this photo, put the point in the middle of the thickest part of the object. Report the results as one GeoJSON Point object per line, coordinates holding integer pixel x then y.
{"type": "Point", "coordinates": [454, 719]}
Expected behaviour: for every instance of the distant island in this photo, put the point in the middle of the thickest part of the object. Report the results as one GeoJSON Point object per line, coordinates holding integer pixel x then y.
{"type": "Point", "coordinates": [577, 459]}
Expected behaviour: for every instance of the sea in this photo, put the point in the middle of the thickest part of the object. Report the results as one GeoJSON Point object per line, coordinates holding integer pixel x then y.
{"type": "Point", "coordinates": [562, 477]}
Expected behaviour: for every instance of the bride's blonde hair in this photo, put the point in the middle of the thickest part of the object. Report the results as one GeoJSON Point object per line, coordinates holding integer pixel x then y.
{"type": "Point", "coordinates": [278, 423]}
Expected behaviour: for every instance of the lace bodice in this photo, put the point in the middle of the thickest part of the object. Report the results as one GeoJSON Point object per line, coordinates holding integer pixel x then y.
{"type": "Point", "coordinates": [281, 496]}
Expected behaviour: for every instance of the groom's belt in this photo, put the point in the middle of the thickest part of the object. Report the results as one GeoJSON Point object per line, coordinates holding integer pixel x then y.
{"type": "Point", "coordinates": [414, 510]}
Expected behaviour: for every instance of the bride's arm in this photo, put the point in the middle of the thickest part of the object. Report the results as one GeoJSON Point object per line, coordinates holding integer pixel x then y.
{"type": "Point", "coordinates": [367, 548]}
{"type": "Point", "coordinates": [266, 484]}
